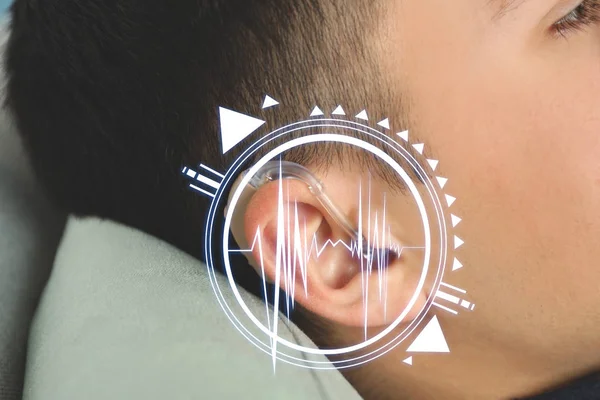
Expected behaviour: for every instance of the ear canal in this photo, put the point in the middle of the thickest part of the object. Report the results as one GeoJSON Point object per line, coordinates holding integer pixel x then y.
{"type": "Point", "coordinates": [341, 267]}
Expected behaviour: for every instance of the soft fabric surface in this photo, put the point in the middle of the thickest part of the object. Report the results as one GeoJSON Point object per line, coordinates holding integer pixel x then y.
{"type": "Point", "coordinates": [30, 230]}
{"type": "Point", "coordinates": [124, 316]}
{"type": "Point", "coordinates": [127, 316]}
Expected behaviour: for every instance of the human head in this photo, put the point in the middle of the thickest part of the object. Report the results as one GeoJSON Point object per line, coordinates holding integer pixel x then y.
{"type": "Point", "coordinates": [505, 100]}
{"type": "Point", "coordinates": [126, 93]}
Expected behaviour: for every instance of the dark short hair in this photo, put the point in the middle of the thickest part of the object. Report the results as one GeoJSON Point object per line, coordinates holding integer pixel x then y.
{"type": "Point", "coordinates": [112, 98]}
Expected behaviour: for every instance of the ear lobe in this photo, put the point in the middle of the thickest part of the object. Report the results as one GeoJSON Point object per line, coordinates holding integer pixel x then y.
{"type": "Point", "coordinates": [295, 242]}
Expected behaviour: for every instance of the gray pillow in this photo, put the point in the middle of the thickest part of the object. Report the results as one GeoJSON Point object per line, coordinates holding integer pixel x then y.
{"type": "Point", "coordinates": [127, 316]}
{"type": "Point", "coordinates": [30, 229]}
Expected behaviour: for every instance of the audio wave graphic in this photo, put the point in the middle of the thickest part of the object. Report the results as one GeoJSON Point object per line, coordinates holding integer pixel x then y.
{"type": "Point", "coordinates": [295, 248]}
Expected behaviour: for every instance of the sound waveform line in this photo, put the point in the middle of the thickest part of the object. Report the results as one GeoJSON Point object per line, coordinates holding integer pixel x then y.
{"type": "Point", "coordinates": [294, 249]}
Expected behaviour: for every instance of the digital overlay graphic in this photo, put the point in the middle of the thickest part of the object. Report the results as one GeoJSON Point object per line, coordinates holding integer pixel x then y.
{"type": "Point", "coordinates": [371, 246]}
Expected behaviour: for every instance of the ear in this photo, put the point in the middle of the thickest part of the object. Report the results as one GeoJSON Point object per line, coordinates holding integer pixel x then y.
{"type": "Point", "coordinates": [296, 243]}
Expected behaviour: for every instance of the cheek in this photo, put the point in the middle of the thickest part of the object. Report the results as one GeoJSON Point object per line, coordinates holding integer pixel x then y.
{"type": "Point", "coordinates": [518, 136]}
{"type": "Point", "coordinates": [515, 134]}
{"type": "Point", "coordinates": [522, 153]}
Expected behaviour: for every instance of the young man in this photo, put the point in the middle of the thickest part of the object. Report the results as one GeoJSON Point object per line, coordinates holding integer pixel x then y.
{"type": "Point", "coordinates": [113, 98]}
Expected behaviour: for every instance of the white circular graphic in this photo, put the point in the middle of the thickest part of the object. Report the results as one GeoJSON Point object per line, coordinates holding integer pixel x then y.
{"type": "Point", "coordinates": [272, 343]}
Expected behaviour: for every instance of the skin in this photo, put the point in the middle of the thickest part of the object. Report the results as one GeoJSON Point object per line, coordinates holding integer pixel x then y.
{"type": "Point", "coordinates": [511, 112]}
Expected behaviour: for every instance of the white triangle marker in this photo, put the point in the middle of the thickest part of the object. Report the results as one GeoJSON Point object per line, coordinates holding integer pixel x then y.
{"type": "Point", "coordinates": [363, 115]}
{"type": "Point", "coordinates": [433, 164]}
{"type": "Point", "coordinates": [442, 181]}
{"type": "Point", "coordinates": [419, 147]}
{"type": "Point", "coordinates": [457, 265]}
{"type": "Point", "coordinates": [385, 123]}
{"type": "Point", "coordinates": [235, 127]}
{"type": "Point", "coordinates": [316, 112]}
{"type": "Point", "coordinates": [403, 135]}
{"type": "Point", "coordinates": [430, 340]}
{"type": "Point", "coordinates": [455, 220]}
{"type": "Point", "coordinates": [269, 102]}
{"type": "Point", "coordinates": [338, 111]}
{"type": "Point", "coordinates": [450, 200]}
{"type": "Point", "coordinates": [408, 361]}
{"type": "Point", "coordinates": [457, 242]}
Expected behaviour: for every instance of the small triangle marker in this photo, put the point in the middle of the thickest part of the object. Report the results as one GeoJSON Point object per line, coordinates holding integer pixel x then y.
{"type": "Point", "coordinates": [433, 164]}
{"type": "Point", "coordinates": [442, 181]}
{"type": "Point", "coordinates": [455, 220]}
{"type": "Point", "coordinates": [363, 115]}
{"type": "Point", "coordinates": [338, 111]}
{"type": "Point", "coordinates": [316, 112]}
{"type": "Point", "coordinates": [458, 242]}
{"type": "Point", "coordinates": [403, 135]}
{"type": "Point", "coordinates": [269, 102]}
{"type": "Point", "coordinates": [235, 127]}
{"type": "Point", "coordinates": [408, 361]}
{"type": "Point", "coordinates": [430, 340]}
{"type": "Point", "coordinates": [457, 265]}
{"type": "Point", "coordinates": [419, 147]}
{"type": "Point", "coordinates": [385, 123]}
{"type": "Point", "coordinates": [450, 200]}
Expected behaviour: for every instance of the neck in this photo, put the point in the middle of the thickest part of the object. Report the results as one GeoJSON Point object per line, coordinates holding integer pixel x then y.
{"type": "Point", "coordinates": [479, 366]}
